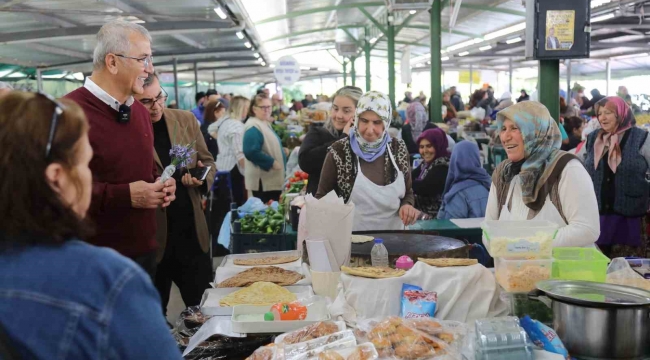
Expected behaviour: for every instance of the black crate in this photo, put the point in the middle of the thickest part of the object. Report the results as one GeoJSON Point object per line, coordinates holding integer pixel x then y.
{"type": "Point", "coordinates": [256, 243]}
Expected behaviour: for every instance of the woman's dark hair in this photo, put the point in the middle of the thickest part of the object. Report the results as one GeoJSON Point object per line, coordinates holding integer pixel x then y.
{"type": "Point", "coordinates": [210, 109]}
{"type": "Point", "coordinates": [574, 122]}
{"type": "Point", "coordinates": [476, 98]}
{"type": "Point", "coordinates": [256, 100]}
{"type": "Point", "coordinates": [563, 105]}
{"type": "Point", "coordinates": [31, 211]}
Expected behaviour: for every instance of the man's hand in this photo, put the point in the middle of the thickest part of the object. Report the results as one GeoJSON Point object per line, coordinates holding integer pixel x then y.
{"type": "Point", "coordinates": [169, 191]}
{"type": "Point", "coordinates": [277, 165]}
{"type": "Point", "coordinates": [408, 214]}
{"type": "Point", "coordinates": [190, 181]}
{"type": "Point", "coordinates": [145, 195]}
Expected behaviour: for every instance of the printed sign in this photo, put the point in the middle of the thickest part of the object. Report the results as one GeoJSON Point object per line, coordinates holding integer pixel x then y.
{"type": "Point", "coordinates": [523, 246]}
{"type": "Point", "coordinates": [287, 70]}
{"type": "Point", "coordinates": [560, 29]}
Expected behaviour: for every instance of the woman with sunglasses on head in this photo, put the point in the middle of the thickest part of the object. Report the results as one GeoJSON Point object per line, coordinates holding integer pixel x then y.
{"type": "Point", "coordinates": [371, 169]}
{"type": "Point", "coordinates": [265, 157]}
{"type": "Point", "coordinates": [59, 296]}
{"type": "Point", "coordinates": [214, 110]}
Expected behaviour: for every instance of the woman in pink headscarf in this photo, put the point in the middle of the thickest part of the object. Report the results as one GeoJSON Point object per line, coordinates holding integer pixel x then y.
{"type": "Point", "coordinates": [617, 157]}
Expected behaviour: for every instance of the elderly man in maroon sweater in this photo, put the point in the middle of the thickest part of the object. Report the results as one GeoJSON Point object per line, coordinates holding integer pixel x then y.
{"type": "Point", "coordinates": [126, 189]}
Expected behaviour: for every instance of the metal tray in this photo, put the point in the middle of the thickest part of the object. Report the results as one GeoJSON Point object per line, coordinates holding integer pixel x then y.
{"type": "Point", "coordinates": [214, 295]}
{"type": "Point", "coordinates": [228, 260]}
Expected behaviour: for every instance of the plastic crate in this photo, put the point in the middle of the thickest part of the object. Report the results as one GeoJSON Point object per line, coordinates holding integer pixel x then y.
{"type": "Point", "coordinates": [587, 264]}
{"type": "Point", "coordinates": [243, 243]}
{"type": "Point", "coordinates": [521, 305]}
{"type": "Point", "coordinates": [519, 239]}
{"type": "Point", "coordinates": [517, 275]}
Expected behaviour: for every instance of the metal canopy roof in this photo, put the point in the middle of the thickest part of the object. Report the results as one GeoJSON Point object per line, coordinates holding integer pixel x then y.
{"type": "Point", "coordinates": [59, 35]}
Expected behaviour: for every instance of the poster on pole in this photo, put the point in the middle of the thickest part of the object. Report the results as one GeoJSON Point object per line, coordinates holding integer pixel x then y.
{"type": "Point", "coordinates": [287, 70]}
{"type": "Point", "coordinates": [559, 29]}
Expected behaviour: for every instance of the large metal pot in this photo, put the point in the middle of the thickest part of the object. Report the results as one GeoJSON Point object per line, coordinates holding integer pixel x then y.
{"type": "Point", "coordinates": [597, 320]}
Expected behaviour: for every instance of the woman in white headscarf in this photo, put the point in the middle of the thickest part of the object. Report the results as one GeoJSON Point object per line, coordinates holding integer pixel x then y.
{"type": "Point", "coordinates": [371, 169]}
{"type": "Point", "coordinates": [504, 101]}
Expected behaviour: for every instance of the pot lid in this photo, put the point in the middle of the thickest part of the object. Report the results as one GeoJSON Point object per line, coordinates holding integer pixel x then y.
{"type": "Point", "coordinates": [594, 293]}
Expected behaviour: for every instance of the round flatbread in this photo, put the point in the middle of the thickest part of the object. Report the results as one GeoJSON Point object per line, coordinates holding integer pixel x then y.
{"type": "Point", "coordinates": [444, 262]}
{"type": "Point", "coordinates": [373, 272]}
{"type": "Point", "coordinates": [269, 260]}
{"type": "Point", "coordinates": [359, 239]}
{"type": "Point", "coordinates": [259, 293]}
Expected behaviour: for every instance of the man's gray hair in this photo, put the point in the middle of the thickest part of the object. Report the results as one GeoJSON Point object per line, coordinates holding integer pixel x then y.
{"type": "Point", "coordinates": [149, 80]}
{"type": "Point", "coordinates": [113, 38]}
{"type": "Point", "coordinates": [4, 85]}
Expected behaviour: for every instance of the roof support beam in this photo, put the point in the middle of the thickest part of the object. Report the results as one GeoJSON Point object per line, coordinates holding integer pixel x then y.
{"type": "Point", "coordinates": [207, 60]}
{"type": "Point", "coordinates": [406, 21]}
{"type": "Point", "coordinates": [304, 45]}
{"type": "Point", "coordinates": [492, 8]}
{"type": "Point", "coordinates": [59, 51]}
{"type": "Point", "coordinates": [299, 13]}
{"type": "Point", "coordinates": [188, 41]}
{"type": "Point", "coordinates": [425, 27]}
{"type": "Point", "coordinates": [373, 20]}
{"type": "Point", "coordinates": [299, 33]}
{"type": "Point", "coordinates": [351, 36]}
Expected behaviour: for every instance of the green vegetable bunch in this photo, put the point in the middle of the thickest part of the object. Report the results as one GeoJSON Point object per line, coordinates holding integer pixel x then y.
{"type": "Point", "coordinates": [269, 222]}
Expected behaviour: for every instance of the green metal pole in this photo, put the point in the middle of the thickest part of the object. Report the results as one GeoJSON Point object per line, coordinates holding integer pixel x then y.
{"type": "Point", "coordinates": [391, 59]}
{"type": "Point", "coordinates": [549, 86]}
{"type": "Point", "coordinates": [345, 73]}
{"type": "Point", "coordinates": [353, 72]}
{"type": "Point", "coordinates": [366, 49]}
{"type": "Point", "coordinates": [435, 104]}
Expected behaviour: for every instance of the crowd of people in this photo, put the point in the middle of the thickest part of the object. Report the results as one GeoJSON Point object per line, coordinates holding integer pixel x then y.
{"type": "Point", "coordinates": [93, 238]}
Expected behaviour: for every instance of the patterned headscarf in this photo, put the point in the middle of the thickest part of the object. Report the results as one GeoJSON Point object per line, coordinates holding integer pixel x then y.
{"type": "Point", "coordinates": [378, 103]}
{"type": "Point", "coordinates": [438, 138]}
{"type": "Point", "coordinates": [417, 116]}
{"type": "Point", "coordinates": [542, 141]}
{"type": "Point", "coordinates": [611, 141]}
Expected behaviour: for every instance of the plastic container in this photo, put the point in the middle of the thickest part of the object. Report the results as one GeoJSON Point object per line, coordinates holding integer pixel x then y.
{"type": "Point", "coordinates": [210, 301]}
{"type": "Point", "coordinates": [523, 239]}
{"type": "Point", "coordinates": [516, 275]}
{"type": "Point", "coordinates": [586, 264]}
{"type": "Point", "coordinates": [521, 306]}
{"type": "Point", "coordinates": [404, 262]}
{"type": "Point", "coordinates": [316, 312]}
{"type": "Point", "coordinates": [502, 339]}
{"type": "Point", "coordinates": [379, 254]}
{"type": "Point", "coordinates": [243, 243]}
{"type": "Point", "coordinates": [641, 266]}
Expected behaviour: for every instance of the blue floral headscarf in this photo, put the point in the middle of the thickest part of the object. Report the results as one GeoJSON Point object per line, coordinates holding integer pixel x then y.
{"type": "Point", "coordinates": [542, 141]}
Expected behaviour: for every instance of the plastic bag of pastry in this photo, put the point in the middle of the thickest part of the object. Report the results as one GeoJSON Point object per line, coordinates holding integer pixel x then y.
{"type": "Point", "coordinates": [620, 272]}
{"type": "Point", "coordinates": [191, 318]}
{"type": "Point", "coordinates": [331, 347]}
{"type": "Point", "coordinates": [267, 352]}
{"type": "Point", "coordinates": [417, 303]}
{"type": "Point", "coordinates": [451, 332]}
{"type": "Point", "coordinates": [394, 339]}
{"type": "Point", "coordinates": [311, 332]}
{"type": "Point", "coordinates": [292, 350]}
{"type": "Point", "coordinates": [365, 351]}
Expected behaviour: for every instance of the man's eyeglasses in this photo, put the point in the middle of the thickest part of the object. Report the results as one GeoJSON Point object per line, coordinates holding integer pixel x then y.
{"type": "Point", "coordinates": [265, 108]}
{"type": "Point", "coordinates": [146, 60]}
{"type": "Point", "coordinates": [160, 99]}
{"type": "Point", "coordinates": [58, 111]}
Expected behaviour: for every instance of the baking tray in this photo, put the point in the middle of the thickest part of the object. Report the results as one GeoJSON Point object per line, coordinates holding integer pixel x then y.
{"type": "Point", "coordinates": [210, 300]}
{"type": "Point", "coordinates": [228, 260]}
{"type": "Point", "coordinates": [226, 272]}
{"type": "Point", "coordinates": [316, 311]}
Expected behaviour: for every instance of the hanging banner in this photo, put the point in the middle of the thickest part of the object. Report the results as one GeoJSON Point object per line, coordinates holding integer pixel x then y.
{"type": "Point", "coordinates": [463, 76]}
{"type": "Point", "coordinates": [406, 66]}
{"type": "Point", "coordinates": [287, 70]}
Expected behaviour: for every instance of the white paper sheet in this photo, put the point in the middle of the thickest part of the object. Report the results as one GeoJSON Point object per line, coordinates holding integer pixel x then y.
{"type": "Point", "coordinates": [221, 325]}
{"type": "Point", "coordinates": [468, 223]}
{"type": "Point", "coordinates": [319, 256]}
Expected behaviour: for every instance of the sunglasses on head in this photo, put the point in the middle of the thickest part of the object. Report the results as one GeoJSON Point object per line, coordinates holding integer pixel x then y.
{"type": "Point", "coordinates": [56, 115]}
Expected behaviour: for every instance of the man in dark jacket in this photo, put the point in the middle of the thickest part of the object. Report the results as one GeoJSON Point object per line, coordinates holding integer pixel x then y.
{"type": "Point", "coordinates": [456, 99]}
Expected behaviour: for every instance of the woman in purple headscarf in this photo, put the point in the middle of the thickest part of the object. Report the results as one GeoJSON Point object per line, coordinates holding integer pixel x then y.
{"type": "Point", "coordinates": [429, 178]}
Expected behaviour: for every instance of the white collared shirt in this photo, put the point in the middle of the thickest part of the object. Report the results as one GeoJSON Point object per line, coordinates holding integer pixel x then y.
{"type": "Point", "coordinates": [105, 97]}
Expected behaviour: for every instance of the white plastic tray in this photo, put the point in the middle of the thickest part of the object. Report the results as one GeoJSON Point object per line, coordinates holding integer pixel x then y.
{"type": "Point", "coordinates": [226, 272]}
{"type": "Point", "coordinates": [211, 297]}
{"type": "Point", "coordinates": [316, 311]}
{"type": "Point", "coordinates": [228, 261]}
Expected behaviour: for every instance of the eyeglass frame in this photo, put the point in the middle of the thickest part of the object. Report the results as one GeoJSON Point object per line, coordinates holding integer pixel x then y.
{"type": "Point", "coordinates": [157, 99]}
{"type": "Point", "coordinates": [264, 107]}
{"type": "Point", "coordinates": [142, 59]}
{"type": "Point", "coordinates": [56, 115]}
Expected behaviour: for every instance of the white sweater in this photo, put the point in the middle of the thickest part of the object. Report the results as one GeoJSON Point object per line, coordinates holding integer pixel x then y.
{"type": "Point", "coordinates": [579, 206]}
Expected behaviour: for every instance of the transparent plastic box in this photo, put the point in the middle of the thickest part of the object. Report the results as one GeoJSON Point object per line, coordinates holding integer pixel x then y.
{"type": "Point", "coordinates": [587, 264]}
{"type": "Point", "coordinates": [521, 305]}
{"type": "Point", "coordinates": [517, 275]}
{"type": "Point", "coordinates": [519, 239]}
{"type": "Point", "coordinates": [502, 339]}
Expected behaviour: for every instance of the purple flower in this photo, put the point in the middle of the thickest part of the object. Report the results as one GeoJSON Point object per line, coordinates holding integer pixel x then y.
{"type": "Point", "coordinates": [182, 155]}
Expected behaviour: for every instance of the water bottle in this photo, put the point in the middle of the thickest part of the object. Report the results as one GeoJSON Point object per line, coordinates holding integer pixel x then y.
{"type": "Point", "coordinates": [379, 254]}
{"type": "Point", "coordinates": [417, 160]}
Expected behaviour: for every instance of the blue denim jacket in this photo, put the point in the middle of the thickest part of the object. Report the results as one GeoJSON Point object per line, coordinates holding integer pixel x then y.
{"type": "Point", "coordinates": [78, 301]}
{"type": "Point", "coordinates": [466, 204]}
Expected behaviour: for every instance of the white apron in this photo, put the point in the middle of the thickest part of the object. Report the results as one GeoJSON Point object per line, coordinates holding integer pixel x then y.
{"type": "Point", "coordinates": [377, 207]}
{"type": "Point", "coordinates": [520, 210]}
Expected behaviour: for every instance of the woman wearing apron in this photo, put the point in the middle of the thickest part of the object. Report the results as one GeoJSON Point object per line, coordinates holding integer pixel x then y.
{"type": "Point", "coordinates": [371, 170]}
{"type": "Point", "coordinates": [538, 181]}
